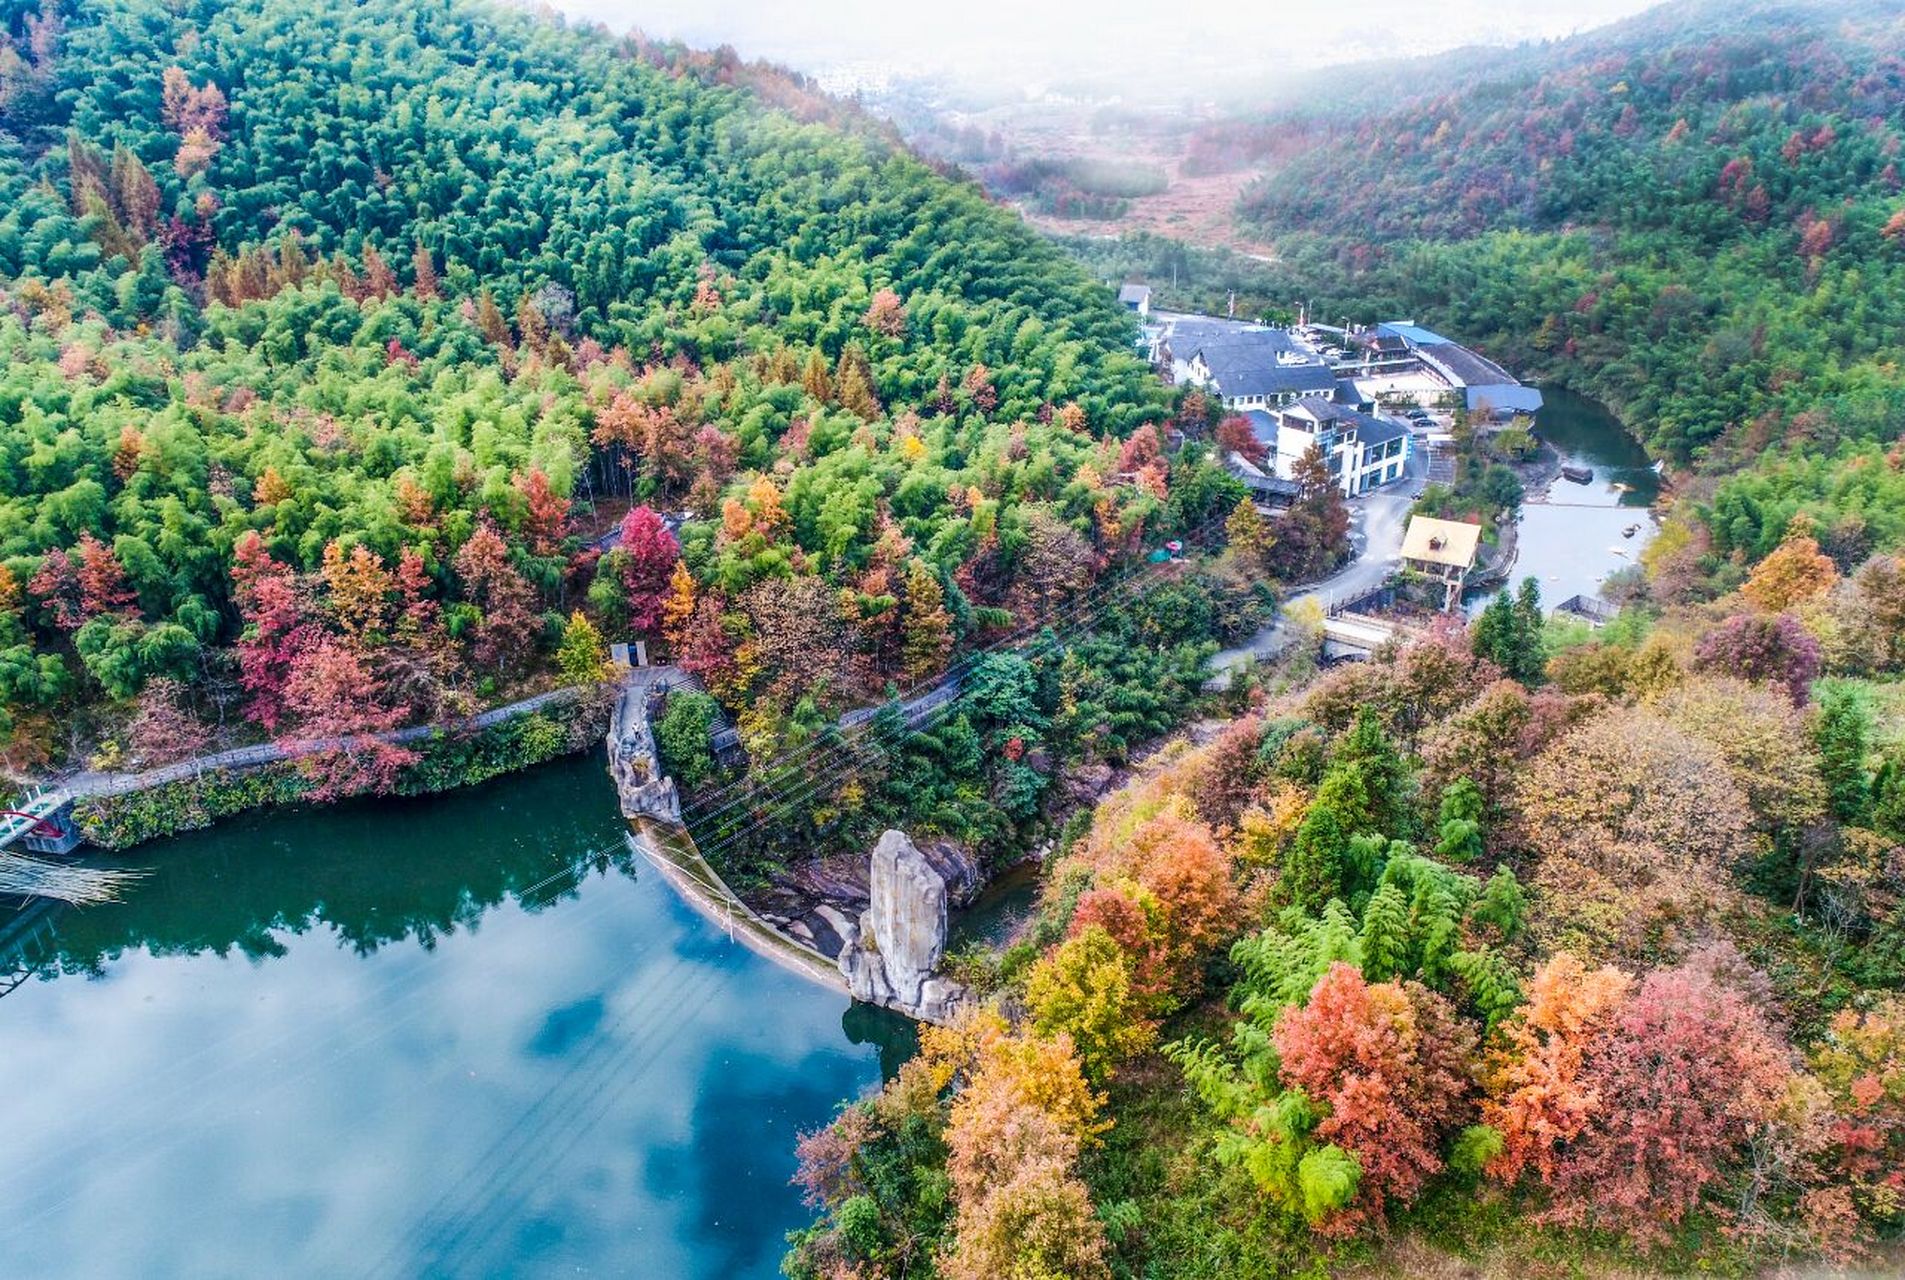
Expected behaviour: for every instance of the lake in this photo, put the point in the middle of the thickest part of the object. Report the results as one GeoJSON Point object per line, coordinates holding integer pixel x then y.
{"type": "Point", "coordinates": [1571, 535]}
{"type": "Point", "coordinates": [468, 1035]}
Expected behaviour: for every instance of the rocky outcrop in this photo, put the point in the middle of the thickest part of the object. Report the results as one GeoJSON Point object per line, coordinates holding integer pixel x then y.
{"type": "Point", "coordinates": [891, 955]}
{"type": "Point", "coordinates": [645, 791]}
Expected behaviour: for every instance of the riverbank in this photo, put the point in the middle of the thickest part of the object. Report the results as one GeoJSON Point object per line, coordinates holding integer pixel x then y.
{"type": "Point", "coordinates": [118, 811]}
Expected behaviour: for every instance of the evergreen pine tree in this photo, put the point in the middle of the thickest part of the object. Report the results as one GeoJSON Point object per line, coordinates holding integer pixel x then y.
{"type": "Point", "coordinates": [1844, 737]}
{"type": "Point", "coordinates": [1459, 823]}
{"type": "Point", "coordinates": [1385, 935]}
{"type": "Point", "coordinates": [1501, 904]}
{"type": "Point", "coordinates": [1530, 647]}
{"type": "Point", "coordinates": [1313, 867]}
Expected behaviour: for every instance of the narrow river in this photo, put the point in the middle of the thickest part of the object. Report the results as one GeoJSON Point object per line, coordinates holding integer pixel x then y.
{"type": "Point", "coordinates": [471, 1035]}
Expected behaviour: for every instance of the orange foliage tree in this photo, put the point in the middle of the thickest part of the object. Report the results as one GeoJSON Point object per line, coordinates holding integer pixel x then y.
{"type": "Point", "coordinates": [1389, 1063]}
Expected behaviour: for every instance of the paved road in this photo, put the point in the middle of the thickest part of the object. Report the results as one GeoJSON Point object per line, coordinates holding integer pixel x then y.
{"type": "Point", "coordinates": [1377, 523]}
{"type": "Point", "coordinates": [93, 783]}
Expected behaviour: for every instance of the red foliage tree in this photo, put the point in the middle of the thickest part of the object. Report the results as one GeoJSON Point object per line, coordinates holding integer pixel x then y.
{"type": "Point", "coordinates": [1140, 450]}
{"type": "Point", "coordinates": [338, 703]}
{"type": "Point", "coordinates": [1776, 650]}
{"type": "Point", "coordinates": [277, 629]}
{"type": "Point", "coordinates": [886, 314]}
{"type": "Point", "coordinates": [507, 634]}
{"type": "Point", "coordinates": [649, 552]}
{"type": "Point", "coordinates": [56, 587]}
{"type": "Point", "coordinates": [164, 728]}
{"type": "Point", "coordinates": [1235, 435]}
{"type": "Point", "coordinates": [103, 587]}
{"type": "Point", "coordinates": [546, 513]}
{"type": "Point", "coordinates": [1687, 1074]}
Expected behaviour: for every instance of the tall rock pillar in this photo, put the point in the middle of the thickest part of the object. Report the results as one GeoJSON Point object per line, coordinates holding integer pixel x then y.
{"type": "Point", "coordinates": [891, 956]}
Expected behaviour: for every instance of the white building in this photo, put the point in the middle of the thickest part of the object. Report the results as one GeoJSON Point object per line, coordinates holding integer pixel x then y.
{"type": "Point", "coordinates": [1364, 451]}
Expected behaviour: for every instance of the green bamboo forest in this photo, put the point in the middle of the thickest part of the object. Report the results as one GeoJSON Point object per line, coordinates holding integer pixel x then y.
{"type": "Point", "coordinates": [334, 342]}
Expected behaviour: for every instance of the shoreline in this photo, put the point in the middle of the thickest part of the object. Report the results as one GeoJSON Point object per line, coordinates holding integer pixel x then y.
{"type": "Point", "coordinates": [115, 812]}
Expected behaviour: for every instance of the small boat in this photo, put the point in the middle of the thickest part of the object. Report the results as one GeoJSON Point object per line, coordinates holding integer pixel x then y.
{"type": "Point", "coordinates": [1630, 531]}
{"type": "Point", "coordinates": [1578, 474]}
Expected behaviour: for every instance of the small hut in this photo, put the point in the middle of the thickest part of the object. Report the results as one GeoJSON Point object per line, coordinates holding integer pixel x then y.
{"type": "Point", "coordinates": [1443, 550]}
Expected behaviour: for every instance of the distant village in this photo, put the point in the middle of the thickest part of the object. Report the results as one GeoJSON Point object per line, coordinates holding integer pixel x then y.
{"type": "Point", "coordinates": [1367, 397]}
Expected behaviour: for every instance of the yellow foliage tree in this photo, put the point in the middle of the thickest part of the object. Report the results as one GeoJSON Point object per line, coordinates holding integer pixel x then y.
{"type": "Point", "coordinates": [1082, 989]}
{"type": "Point", "coordinates": [678, 606]}
{"type": "Point", "coordinates": [1794, 571]}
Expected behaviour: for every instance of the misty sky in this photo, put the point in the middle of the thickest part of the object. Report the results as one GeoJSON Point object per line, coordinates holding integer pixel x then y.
{"type": "Point", "coordinates": [981, 41]}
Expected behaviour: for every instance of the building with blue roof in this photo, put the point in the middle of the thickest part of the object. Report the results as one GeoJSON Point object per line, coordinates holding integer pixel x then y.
{"type": "Point", "coordinates": [1488, 390]}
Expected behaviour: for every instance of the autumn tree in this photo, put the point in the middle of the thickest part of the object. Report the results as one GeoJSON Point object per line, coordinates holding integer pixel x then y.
{"type": "Point", "coordinates": [1314, 534]}
{"type": "Point", "coordinates": [979, 390]}
{"type": "Point", "coordinates": [678, 607]}
{"type": "Point", "coordinates": [649, 553]}
{"type": "Point", "coordinates": [1013, 1138]}
{"type": "Point", "coordinates": [1536, 1100]}
{"type": "Point", "coordinates": [582, 656]}
{"type": "Point", "coordinates": [424, 286]}
{"type": "Point", "coordinates": [1083, 989]}
{"type": "Point", "coordinates": [361, 589]}
{"type": "Point", "coordinates": [1775, 650]}
{"type": "Point", "coordinates": [1685, 1074]}
{"type": "Point", "coordinates": [1793, 572]}
{"type": "Point", "coordinates": [508, 628]}
{"type": "Point", "coordinates": [926, 639]}
{"type": "Point", "coordinates": [545, 513]}
{"type": "Point", "coordinates": [1763, 740]}
{"type": "Point", "coordinates": [164, 729]}
{"type": "Point", "coordinates": [1860, 1061]}
{"type": "Point", "coordinates": [341, 742]}
{"type": "Point", "coordinates": [886, 314]}
{"type": "Point", "coordinates": [1055, 565]}
{"type": "Point", "coordinates": [1236, 435]}
{"type": "Point", "coordinates": [277, 629]}
{"type": "Point", "coordinates": [1389, 1063]}
{"type": "Point", "coordinates": [1637, 823]}
{"type": "Point", "coordinates": [1250, 535]}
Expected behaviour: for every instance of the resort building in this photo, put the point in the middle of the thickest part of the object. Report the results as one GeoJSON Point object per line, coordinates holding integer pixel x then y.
{"type": "Point", "coordinates": [1487, 389]}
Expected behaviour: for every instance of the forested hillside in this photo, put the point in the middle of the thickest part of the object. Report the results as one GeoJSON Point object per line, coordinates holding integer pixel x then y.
{"type": "Point", "coordinates": [1522, 950]}
{"type": "Point", "coordinates": [1695, 216]}
{"type": "Point", "coordinates": [334, 335]}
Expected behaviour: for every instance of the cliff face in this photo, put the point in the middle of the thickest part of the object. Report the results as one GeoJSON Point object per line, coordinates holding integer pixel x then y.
{"type": "Point", "coordinates": [634, 764]}
{"type": "Point", "coordinates": [891, 954]}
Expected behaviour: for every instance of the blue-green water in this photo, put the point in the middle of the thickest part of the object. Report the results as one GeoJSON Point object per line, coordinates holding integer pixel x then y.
{"type": "Point", "coordinates": [438, 1037]}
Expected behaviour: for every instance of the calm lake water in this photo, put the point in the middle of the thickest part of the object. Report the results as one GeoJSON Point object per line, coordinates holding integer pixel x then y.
{"type": "Point", "coordinates": [464, 1036]}
{"type": "Point", "coordinates": [1572, 536]}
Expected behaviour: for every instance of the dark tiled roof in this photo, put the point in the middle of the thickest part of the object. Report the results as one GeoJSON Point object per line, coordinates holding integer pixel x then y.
{"type": "Point", "coordinates": [1247, 365]}
{"type": "Point", "coordinates": [1372, 431]}
{"type": "Point", "coordinates": [1263, 426]}
{"type": "Point", "coordinates": [1463, 365]}
{"type": "Point", "coordinates": [1369, 429]}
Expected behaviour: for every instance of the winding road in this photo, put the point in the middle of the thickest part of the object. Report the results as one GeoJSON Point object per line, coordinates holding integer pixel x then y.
{"type": "Point", "coordinates": [1377, 523]}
